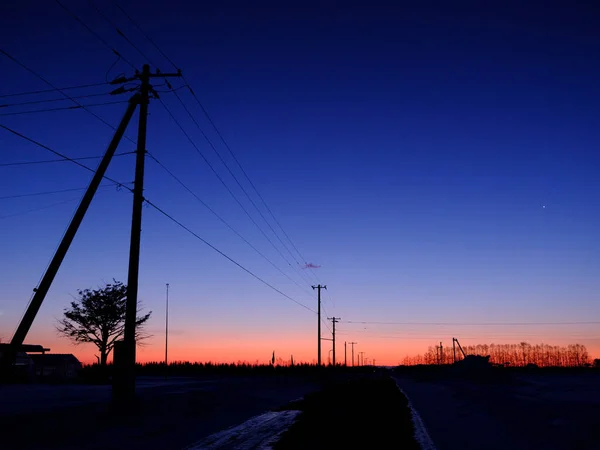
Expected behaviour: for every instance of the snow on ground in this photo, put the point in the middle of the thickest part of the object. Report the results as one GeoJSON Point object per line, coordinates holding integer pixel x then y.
{"type": "Point", "coordinates": [259, 432]}
{"type": "Point", "coordinates": [421, 434]}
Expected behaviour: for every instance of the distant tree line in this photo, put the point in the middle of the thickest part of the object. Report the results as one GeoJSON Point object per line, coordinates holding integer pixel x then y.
{"type": "Point", "coordinates": [514, 355]}
{"type": "Point", "coordinates": [95, 373]}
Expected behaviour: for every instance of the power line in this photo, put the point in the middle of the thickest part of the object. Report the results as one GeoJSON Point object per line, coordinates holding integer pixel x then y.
{"type": "Point", "coordinates": [225, 222]}
{"type": "Point", "coordinates": [223, 182]}
{"type": "Point", "coordinates": [99, 11]}
{"type": "Point", "coordinates": [106, 44]}
{"type": "Point", "coordinates": [39, 209]}
{"type": "Point", "coordinates": [74, 161]}
{"type": "Point", "coordinates": [227, 257]}
{"type": "Point", "coordinates": [233, 175]}
{"type": "Point", "coordinates": [43, 91]}
{"type": "Point", "coordinates": [33, 72]}
{"type": "Point", "coordinates": [64, 108]}
{"type": "Point", "coordinates": [217, 131]}
{"type": "Point", "coordinates": [242, 169]}
{"type": "Point", "coordinates": [146, 36]}
{"type": "Point", "coordinates": [46, 161]}
{"type": "Point", "coordinates": [36, 194]}
{"type": "Point", "coordinates": [35, 102]}
{"type": "Point", "coordinates": [476, 323]}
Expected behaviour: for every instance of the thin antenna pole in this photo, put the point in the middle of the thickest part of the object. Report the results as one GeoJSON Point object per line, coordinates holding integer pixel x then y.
{"type": "Point", "coordinates": [167, 334]}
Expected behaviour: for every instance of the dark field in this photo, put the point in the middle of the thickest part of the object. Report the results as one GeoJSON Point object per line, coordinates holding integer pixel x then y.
{"type": "Point", "coordinates": [362, 413]}
{"type": "Point", "coordinates": [513, 409]}
{"type": "Point", "coordinates": [171, 414]}
{"type": "Point", "coordinates": [541, 409]}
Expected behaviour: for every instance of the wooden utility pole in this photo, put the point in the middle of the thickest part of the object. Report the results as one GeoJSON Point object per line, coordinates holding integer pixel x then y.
{"type": "Point", "coordinates": [352, 344]}
{"type": "Point", "coordinates": [361, 358]}
{"type": "Point", "coordinates": [44, 286]}
{"type": "Point", "coordinates": [318, 288]}
{"type": "Point", "coordinates": [345, 355]}
{"type": "Point", "coordinates": [334, 320]}
{"type": "Point", "coordinates": [126, 384]}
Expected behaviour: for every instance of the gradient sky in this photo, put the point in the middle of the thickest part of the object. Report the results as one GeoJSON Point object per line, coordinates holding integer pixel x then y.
{"type": "Point", "coordinates": [440, 163]}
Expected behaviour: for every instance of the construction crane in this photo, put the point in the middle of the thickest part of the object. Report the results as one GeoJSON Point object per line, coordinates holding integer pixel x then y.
{"type": "Point", "coordinates": [454, 342]}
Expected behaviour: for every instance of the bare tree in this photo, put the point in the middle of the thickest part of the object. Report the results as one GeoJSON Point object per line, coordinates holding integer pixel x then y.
{"type": "Point", "coordinates": [98, 317]}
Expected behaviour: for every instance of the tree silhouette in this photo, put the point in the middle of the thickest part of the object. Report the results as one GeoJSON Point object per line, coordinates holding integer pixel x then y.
{"type": "Point", "coordinates": [98, 317]}
{"type": "Point", "coordinates": [514, 355]}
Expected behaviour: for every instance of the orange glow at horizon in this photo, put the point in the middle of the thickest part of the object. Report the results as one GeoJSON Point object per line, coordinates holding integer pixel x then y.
{"type": "Point", "coordinates": [385, 351]}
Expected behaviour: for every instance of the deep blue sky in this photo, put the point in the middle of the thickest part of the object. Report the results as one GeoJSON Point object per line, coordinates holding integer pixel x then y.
{"type": "Point", "coordinates": [439, 162]}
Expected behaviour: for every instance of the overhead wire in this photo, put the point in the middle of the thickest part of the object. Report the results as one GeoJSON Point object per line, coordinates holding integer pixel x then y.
{"type": "Point", "coordinates": [60, 191]}
{"type": "Point", "coordinates": [145, 35]}
{"type": "Point", "coordinates": [44, 91]}
{"type": "Point", "coordinates": [236, 179]}
{"type": "Point", "coordinates": [46, 161]}
{"type": "Point", "coordinates": [186, 134]}
{"type": "Point", "coordinates": [245, 175]}
{"type": "Point", "coordinates": [215, 128]}
{"type": "Point", "coordinates": [148, 202]}
{"type": "Point", "coordinates": [227, 257]}
{"type": "Point", "coordinates": [39, 209]}
{"type": "Point", "coordinates": [205, 136]}
{"type": "Point", "coordinates": [118, 30]}
{"type": "Point", "coordinates": [63, 108]}
{"type": "Point", "coordinates": [33, 72]}
{"type": "Point", "coordinates": [106, 44]}
{"type": "Point", "coordinates": [226, 223]}
{"type": "Point", "coordinates": [474, 323]}
{"type": "Point", "coordinates": [232, 174]}
{"type": "Point", "coordinates": [35, 102]}
{"type": "Point", "coordinates": [73, 160]}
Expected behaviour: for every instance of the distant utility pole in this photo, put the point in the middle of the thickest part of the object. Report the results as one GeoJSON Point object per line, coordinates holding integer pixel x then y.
{"type": "Point", "coordinates": [345, 355]}
{"type": "Point", "coordinates": [352, 344]}
{"type": "Point", "coordinates": [167, 334]}
{"type": "Point", "coordinates": [361, 359]}
{"type": "Point", "coordinates": [318, 288]}
{"type": "Point", "coordinates": [441, 354]}
{"type": "Point", "coordinates": [334, 320]}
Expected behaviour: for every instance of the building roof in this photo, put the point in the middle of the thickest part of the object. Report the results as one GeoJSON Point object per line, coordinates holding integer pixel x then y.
{"type": "Point", "coordinates": [50, 359]}
{"type": "Point", "coordinates": [26, 348]}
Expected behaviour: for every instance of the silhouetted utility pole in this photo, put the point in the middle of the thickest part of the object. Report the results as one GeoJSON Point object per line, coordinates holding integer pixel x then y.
{"type": "Point", "coordinates": [352, 344]}
{"type": "Point", "coordinates": [318, 288]}
{"type": "Point", "coordinates": [167, 334]}
{"type": "Point", "coordinates": [126, 385]}
{"type": "Point", "coordinates": [453, 351]}
{"type": "Point", "coordinates": [345, 355]}
{"type": "Point", "coordinates": [126, 349]}
{"type": "Point", "coordinates": [441, 354]}
{"type": "Point", "coordinates": [334, 320]}
{"type": "Point", "coordinates": [361, 358]}
{"type": "Point", "coordinates": [52, 269]}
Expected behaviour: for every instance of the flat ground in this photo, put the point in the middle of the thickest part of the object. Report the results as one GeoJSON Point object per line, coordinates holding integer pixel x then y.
{"type": "Point", "coordinates": [530, 411]}
{"type": "Point", "coordinates": [171, 414]}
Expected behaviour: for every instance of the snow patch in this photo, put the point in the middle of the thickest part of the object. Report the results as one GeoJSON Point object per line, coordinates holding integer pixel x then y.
{"type": "Point", "coordinates": [421, 434]}
{"type": "Point", "coordinates": [259, 432]}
